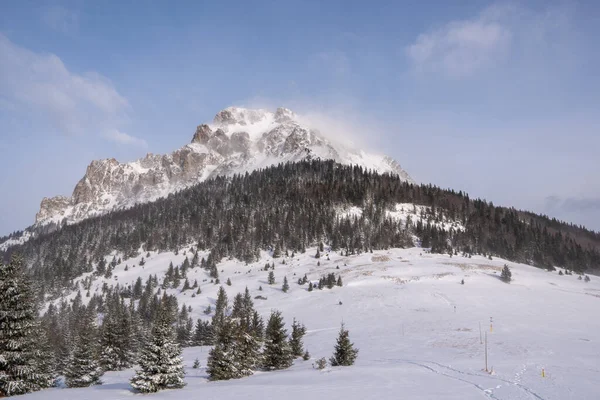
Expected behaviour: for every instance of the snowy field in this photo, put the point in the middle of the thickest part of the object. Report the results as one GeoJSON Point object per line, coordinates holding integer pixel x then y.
{"type": "Point", "coordinates": [417, 328]}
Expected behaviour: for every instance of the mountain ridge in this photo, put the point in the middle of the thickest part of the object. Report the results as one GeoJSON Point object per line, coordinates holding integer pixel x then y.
{"type": "Point", "coordinates": [238, 140]}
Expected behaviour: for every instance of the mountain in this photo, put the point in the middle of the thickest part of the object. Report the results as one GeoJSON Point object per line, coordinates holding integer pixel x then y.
{"type": "Point", "coordinates": [292, 206]}
{"type": "Point", "coordinates": [238, 140]}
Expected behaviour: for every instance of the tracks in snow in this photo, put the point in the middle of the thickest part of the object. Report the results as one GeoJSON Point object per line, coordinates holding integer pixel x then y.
{"type": "Point", "coordinates": [467, 377]}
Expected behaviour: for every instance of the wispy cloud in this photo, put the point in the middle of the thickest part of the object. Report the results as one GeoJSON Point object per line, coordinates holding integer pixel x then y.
{"type": "Point", "coordinates": [61, 19]}
{"type": "Point", "coordinates": [495, 36]}
{"type": "Point", "coordinates": [41, 86]}
{"type": "Point", "coordinates": [114, 135]}
{"type": "Point", "coordinates": [462, 47]}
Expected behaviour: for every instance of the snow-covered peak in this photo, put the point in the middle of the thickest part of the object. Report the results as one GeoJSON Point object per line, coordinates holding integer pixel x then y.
{"type": "Point", "coordinates": [237, 140]}
{"type": "Point", "coordinates": [241, 116]}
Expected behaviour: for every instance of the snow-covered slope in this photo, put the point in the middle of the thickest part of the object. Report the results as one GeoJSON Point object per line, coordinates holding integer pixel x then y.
{"type": "Point", "coordinates": [238, 140]}
{"type": "Point", "coordinates": [417, 328]}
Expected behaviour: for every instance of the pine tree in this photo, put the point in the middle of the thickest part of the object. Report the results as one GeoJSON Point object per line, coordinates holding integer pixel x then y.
{"type": "Point", "coordinates": [271, 279]}
{"type": "Point", "coordinates": [222, 363]}
{"type": "Point", "coordinates": [345, 353]}
{"type": "Point", "coordinates": [45, 360]}
{"type": "Point", "coordinates": [221, 306]}
{"type": "Point", "coordinates": [298, 332]}
{"type": "Point", "coordinates": [247, 351]}
{"type": "Point", "coordinates": [310, 287]}
{"type": "Point", "coordinates": [257, 326]}
{"type": "Point", "coordinates": [285, 286]}
{"type": "Point", "coordinates": [19, 371]}
{"type": "Point", "coordinates": [277, 353]}
{"type": "Point", "coordinates": [116, 341]}
{"type": "Point", "coordinates": [84, 367]}
{"type": "Point", "coordinates": [339, 281]}
{"type": "Point", "coordinates": [506, 275]}
{"type": "Point", "coordinates": [160, 364]}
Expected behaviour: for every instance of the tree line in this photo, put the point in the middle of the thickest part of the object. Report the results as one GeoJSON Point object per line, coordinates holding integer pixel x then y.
{"type": "Point", "coordinates": [292, 206]}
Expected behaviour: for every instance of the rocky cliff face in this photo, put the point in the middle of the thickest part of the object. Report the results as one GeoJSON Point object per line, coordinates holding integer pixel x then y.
{"type": "Point", "coordinates": [238, 140]}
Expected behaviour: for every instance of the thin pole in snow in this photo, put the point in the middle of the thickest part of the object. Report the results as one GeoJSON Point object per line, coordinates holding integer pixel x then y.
{"type": "Point", "coordinates": [486, 364]}
{"type": "Point", "coordinates": [480, 338]}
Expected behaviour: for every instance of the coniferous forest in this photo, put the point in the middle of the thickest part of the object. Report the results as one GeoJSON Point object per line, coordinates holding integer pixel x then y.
{"type": "Point", "coordinates": [293, 206]}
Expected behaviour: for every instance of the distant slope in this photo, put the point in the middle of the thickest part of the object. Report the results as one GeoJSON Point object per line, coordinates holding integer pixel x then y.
{"type": "Point", "coordinates": [297, 205]}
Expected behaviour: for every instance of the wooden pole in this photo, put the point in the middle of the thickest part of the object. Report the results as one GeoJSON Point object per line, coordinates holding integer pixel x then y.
{"type": "Point", "coordinates": [486, 364]}
{"type": "Point", "coordinates": [480, 338]}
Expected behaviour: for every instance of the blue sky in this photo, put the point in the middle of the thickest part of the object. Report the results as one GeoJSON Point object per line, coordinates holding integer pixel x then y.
{"type": "Point", "coordinates": [497, 98]}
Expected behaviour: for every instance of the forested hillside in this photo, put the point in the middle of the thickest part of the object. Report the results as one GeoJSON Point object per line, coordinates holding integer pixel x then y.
{"type": "Point", "coordinates": [293, 206]}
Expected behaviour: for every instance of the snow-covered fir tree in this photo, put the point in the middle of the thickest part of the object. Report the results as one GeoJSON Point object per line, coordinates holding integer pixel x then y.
{"type": "Point", "coordinates": [506, 275]}
{"type": "Point", "coordinates": [298, 332]}
{"type": "Point", "coordinates": [277, 353]}
{"type": "Point", "coordinates": [223, 362]}
{"type": "Point", "coordinates": [19, 370]}
{"type": "Point", "coordinates": [160, 363]}
{"type": "Point", "coordinates": [45, 359]}
{"type": "Point", "coordinates": [83, 368]}
{"type": "Point", "coordinates": [221, 306]}
{"type": "Point", "coordinates": [345, 353]}
{"type": "Point", "coordinates": [116, 338]}
{"type": "Point", "coordinates": [286, 285]}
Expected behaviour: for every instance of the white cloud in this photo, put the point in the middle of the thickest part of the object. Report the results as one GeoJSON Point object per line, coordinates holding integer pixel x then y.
{"type": "Point", "coordinates": [119, 137]}
{"type": "Point", "coordinates": [41, 86]}
{"type": "Point", "coordinates": [61, 19]}
{"type": "Point", "coordinates": [460, 48]}
{"type": "Point", "coordinates": [501, 34]}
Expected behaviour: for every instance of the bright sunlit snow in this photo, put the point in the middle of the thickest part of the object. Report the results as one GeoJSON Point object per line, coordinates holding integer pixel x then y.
{"type": "Point", "coordinates": [416, 325]}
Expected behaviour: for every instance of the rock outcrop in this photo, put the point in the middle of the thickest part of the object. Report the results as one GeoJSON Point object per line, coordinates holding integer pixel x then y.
{"type": "Point", "coordinates": [238, 140]}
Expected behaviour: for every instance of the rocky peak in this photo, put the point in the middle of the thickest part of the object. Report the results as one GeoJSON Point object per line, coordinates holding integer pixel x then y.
{"type": "Point", "coordinates": [238, 140]}
{"type": "Point", "coordinates": [202, 135]}
{"type": "Point", "coordinates": [240, 116]}
{"type": "Point", "coordinates": [54, 206]}
{"type": "Point", "coordinates": [284, 115]}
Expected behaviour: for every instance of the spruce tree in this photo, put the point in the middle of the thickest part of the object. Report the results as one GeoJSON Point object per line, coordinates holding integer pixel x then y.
{"type": "Point", "coordinates": [247, 351]}
{"type": "Point", "coordinates": [257, 326]}
{"type": "Point", "coordinates": [19, 371]}
{"type": "Point", "coordinates": [45, 360]}
{"type": "Point", "coordinates": [222, 363]}
{"type": "Point", "coordinates": [298, 332]}
{"type": "Point", "coordinates": [506, 275]}
{"type": "Point", "coordinates": [83, 368]}
{"type": "Point", "coordinates": [277, 353]}
{"type": "Point", "coordinates": [160, 364]}
{"type": "Point", "coordinates": [345, 353]}
{"type": "Point", "coordinates": [221, 306]}
{"type": "Point", "coordinates": [271, 279]}
{"type": "Point", "coordinates": [286, 285]}
{"type": "Point", "coordinates": [116, 341]}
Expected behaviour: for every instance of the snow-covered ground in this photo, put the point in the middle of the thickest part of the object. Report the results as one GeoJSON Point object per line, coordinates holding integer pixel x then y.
{"type": "Point", "coordinates": [417, 328]}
